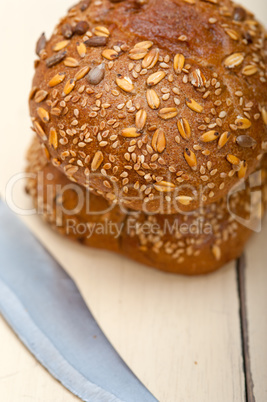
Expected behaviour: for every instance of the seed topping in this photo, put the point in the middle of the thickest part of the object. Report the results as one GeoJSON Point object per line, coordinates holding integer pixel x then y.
{"type": "Point", "coordinates": [198, 79]}
{"type": "Point", "coordinates": [66, 31]}
{"type": "Point", "coordinates": [264, 115]}
{"type": "Point", "coordinates": [250, 70]}
{"type": "Point", "coordinates": [234, 60]}
{"type": "Point", "coordinates": [210, 136]}
{"type": "Point", "coordinates": [155, 78]}
{"type": "Point", "coordinates": [70, 84]}
{"type": "Point", "coordinates": [60, 45]}
{"type": "Point", "coordinates": [71, 62]}
{"type": "Point", "coordinates": [184, 200]}
{"type": "Point", "coordinates": [145, 153]}
{"type": "Point", "coordinates": [168, 113]}
{"type": "Point", "coordinates": [216, 251]}
{"type": "Point", "coordinates": [81, 73]}
{"type": "Point", "coordinates": [125, 84]}
{"type": "Point", "coordinates": [53, 139]}
{"type": "Point", "coordinates": [130, 132]}
{"type": "Point", "coordinates": [97, 160]}
{"type": "Point", "coordinates": [137, 53]}
{"type": "Point", "coordinates": [211, 1]}
{"type": "Point", "coordinates": [164, 186]}
{"type": "Point", "coordinates": [84, 5]}
{"type": "Point", "coordinates": [40, 45]}
{"type": "Point", "coordinates": [81, 49]}
{"type": "Point", "coordinates": [190, 158]}
{"type": "Point", "coordinates": [39, 130]}
{"type": "Point", "coordinates": [152, 99]}
{"type": "Point", "coordinates": [193, 105]}
{"type": "Point", "coordinates": [140, 119]}
{"type": "Point", "coordinates": [245, 141]}
{"type": "Point", "coordinates": [43, 114]}
{"type": "Point", "coordinates": [151, 59]}
{"type": "Point", "coordinates": [110, 54]}
{"type": "Point", "coordinates": [240, 14]}
{"type": "Point", "coordinates": [243, 123]}
{"type": "Point", "coordinates": [81, 28]}
{"type": "Point", "coordinates": [57, 79]}
{"type": "Point", "coordinates": [55, 59]}
{"type": "Point", "coordinates": [233, 159]}
{"type": "Point", "coordinates": [184, 128]}
{"type": "Point", "coordinates": [243, 170]}
{"type": "Point", "coordinates": [40, 96]}
{"type": "Point", "coordinates": [224, 138]}
{"type": "Point", "coordinates": [96, 75]}
{"type": "Point", "coordinates": [232, 33]}
{"type": "Point", "coordinates": [101, 31]}
{"type": "Point", "coordinates": [159, 141]}
{"type": "Point", "coordinates": [96, 41]}
{"type": "Point", "coordinates": [146, 44]}
{"type": "Point", "coordinates": [178, 63]}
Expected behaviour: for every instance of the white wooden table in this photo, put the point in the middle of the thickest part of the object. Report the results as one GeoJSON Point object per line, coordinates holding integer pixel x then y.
{"type": "Point", "coordinates": [185, 338]}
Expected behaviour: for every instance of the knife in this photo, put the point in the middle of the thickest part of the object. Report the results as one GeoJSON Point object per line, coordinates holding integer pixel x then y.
{"type": "Point", "coordinates": [44, 307]}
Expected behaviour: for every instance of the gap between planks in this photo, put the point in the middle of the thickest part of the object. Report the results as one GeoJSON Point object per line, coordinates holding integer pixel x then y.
{"type": "Point", "coordinates": [241, 285]}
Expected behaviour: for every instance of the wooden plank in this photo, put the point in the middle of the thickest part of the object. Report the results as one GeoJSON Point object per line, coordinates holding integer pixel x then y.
{"type": "Point", "coordinates": [256, 297]}
{"type": "Point", "coordinates": [22, 378]}
{"type": "Point", "coordinates": [180, 335]}
{"type": "Point", "coordinates": [161, 324]}
{"type": "Point", "coordinates": [241, 282]}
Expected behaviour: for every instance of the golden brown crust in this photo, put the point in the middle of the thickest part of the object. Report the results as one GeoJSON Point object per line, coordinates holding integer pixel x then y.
{"type": "Point", "coordinates": [110, 130]}
{"type": "Point", "coordinates": [191, 244]}
{"type": "Point", "coordinates": [69, 204]}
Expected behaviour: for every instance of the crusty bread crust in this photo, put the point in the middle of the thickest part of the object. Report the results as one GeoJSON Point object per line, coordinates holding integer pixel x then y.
{"type": "Point", "coordinates": [190, 244]}
{"type": "Point", "coordinates": [158, 105]}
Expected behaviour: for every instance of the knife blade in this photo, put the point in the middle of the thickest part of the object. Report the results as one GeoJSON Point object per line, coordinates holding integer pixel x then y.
{"type": "Point", "coordinates": [44, 307]}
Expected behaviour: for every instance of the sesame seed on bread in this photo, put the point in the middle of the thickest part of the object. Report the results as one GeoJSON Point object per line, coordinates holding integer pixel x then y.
{"type": "Point", "coordinates": [194, 243]}
{"type": "Point", "coordinates": [158, 105]}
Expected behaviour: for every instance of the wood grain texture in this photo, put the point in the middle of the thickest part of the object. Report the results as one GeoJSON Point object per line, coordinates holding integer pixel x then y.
{"type": "Point", "coordinates": [256, 296]}
{"type": "Point", "coordinates": [22, 378]}
{"type": "Point", "coordinates": [181, 336]}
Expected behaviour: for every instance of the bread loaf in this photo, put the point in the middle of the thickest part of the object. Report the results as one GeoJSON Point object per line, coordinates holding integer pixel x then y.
{"type": "Point", "coordinates": [189, 243]}
{"type": "Point", "coordinates": [160, 106]}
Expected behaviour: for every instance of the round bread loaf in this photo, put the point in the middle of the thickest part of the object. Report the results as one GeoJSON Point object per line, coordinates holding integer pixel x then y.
{"type": "Point", "coordinates": [68, 208]}
{"type": "Point", "coordinates": [158, 105]}
{"type": "Point", "coordinates": [189, 243]}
